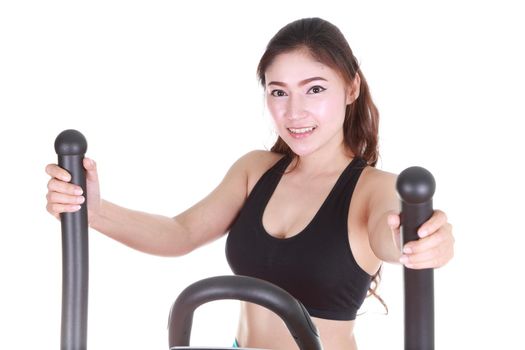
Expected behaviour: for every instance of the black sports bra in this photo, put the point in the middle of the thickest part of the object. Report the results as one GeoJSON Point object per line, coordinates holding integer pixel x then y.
{"type": "Point", "coordinates": [316, 265]}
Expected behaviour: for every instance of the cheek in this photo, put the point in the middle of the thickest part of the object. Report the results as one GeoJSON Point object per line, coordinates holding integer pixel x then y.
{"type": "Point", "coordinates": [329, 110]}
{"type": "Point", "coordinates": [276, 109]}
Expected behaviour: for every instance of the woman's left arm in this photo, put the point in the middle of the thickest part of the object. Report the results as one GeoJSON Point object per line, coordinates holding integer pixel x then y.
{"type": "Point", "coordinates": [436, 244]}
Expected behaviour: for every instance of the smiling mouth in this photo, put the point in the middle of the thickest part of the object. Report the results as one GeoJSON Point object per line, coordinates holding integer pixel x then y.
{"type": "Point", "coordinates": [300, 131]}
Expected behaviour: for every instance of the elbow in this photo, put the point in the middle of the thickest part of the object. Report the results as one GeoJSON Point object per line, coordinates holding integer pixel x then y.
{"type": "Point", "coordinates": [174, 240]}
{"type": "Point", "coordinates": [166, 251]}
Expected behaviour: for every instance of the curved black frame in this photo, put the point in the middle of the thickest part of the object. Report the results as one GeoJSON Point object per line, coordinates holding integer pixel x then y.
{"type": "Point", "coordinates": [244, 288]}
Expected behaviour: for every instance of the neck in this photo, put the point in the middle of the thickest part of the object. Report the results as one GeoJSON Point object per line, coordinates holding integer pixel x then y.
{"type": "Point", "coordinates": [325, 160]}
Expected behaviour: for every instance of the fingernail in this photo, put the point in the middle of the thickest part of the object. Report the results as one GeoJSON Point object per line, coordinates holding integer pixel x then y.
{"type": "Point", "coordinates": [81, 199]}
{"type": "Point", "coordinates": [76, 207]}
{"type": "Point", "coordinates": [78, 191]}
{"type": "Point", "coordinates": [423, 233]}
{"type": "Point", "coordinates": [404, 259]}
{"type": "Point", "coordinates": [407, 250]}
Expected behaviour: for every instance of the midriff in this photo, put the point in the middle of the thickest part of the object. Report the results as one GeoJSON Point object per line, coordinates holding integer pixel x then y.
{"type": "Point", "coordinates": [261, 328]}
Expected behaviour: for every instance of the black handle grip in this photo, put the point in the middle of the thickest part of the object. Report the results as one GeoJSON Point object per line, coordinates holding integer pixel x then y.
{"type": "Point", "coordinates": [243, 288]}
{"type": "Point", "coordinates": [70, 145]}
{"type": "Point", "coordinates": [416, 186]}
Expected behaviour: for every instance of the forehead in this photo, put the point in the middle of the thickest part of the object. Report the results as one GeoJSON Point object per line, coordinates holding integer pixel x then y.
{"type": "Point", "coordinates": [294, 66]}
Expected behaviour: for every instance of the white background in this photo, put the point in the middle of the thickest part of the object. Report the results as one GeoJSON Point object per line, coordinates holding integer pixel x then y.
{"type": "Point", "coordinates": [166, 94]}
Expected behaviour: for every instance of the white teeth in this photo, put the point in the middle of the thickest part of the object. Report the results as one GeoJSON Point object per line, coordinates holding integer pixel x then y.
{"type": "Point", "coordinates": [301, 130]}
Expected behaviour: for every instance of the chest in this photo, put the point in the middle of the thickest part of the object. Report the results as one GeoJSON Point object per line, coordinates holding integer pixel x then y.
{"type": "Point", "coordinates": [296, 203]}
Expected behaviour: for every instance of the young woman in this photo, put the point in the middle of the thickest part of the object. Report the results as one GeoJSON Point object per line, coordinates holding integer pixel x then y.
{"type": "Point", "coordinates": [313, 215]}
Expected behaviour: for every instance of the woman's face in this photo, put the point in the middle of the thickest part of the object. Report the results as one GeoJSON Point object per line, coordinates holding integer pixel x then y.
{"type": "Point", "coordinates": [307, 101]}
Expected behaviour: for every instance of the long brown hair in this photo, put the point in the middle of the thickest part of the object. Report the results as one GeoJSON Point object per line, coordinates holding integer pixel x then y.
{"type": "Point", "coordinates": [325, 42]}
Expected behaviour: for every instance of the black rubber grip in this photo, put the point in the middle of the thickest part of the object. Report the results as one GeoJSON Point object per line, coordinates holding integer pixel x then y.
{"type": "Point", "coordinates": [70, 145]}
{"type": "Point", "coordinates": [416, 186]}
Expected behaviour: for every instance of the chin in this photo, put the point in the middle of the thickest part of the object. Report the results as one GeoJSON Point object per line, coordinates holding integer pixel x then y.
{"type": "Point", "coordinates": [301, 151]}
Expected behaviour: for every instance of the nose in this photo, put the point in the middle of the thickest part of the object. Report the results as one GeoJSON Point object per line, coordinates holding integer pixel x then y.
{"type": "Point", "coordinates": [295, 108]}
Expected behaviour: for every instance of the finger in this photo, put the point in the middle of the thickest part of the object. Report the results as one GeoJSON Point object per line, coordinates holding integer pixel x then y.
{"type": "Point", "coordinates": [54, 170]}
{"type": "Point", "coordinates": [426, 260]}
{"type": "Point", "coordinates": [61, 198]}
{"type": "Point", "coordinates": [432, 258]}
{"type": "Point", "coordinates": [88, 163]}
{"type": "Point", "coordinates": [440, 237]}
{"type": "Point", "coordinates": [55, 185]}
{"type": "Point", "coordinates": [433, 224]}
{"type": "Point", "coordinates": [91, 169]}
{"type": "Point", "coordinates": [393, 221]}
{"type": "Point", "coordinates": [397, 240]}
{"type": "Point", "coordinates": [414, 259]}
{"type": "Point", "coordinates": [55, 208]}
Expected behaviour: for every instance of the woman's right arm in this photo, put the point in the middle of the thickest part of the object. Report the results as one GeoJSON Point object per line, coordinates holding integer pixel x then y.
{"type": "Point", "coordinates": [206, 221]}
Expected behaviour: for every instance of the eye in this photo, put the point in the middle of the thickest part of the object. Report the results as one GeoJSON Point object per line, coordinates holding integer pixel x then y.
{"type": "Point", "coordinates": [278, 93]}
{"type": "Point", "coordinates": [316, 89]}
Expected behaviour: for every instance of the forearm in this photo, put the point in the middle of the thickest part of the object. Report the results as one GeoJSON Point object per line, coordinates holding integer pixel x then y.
{"type": "Point", "coordinates": [149, 233]}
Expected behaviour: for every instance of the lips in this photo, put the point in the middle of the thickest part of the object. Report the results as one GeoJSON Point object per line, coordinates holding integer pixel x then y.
{"type": "Point", "coordinates": [301, 132]}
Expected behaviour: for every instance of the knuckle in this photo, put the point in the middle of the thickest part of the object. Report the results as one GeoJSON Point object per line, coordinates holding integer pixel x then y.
{"type": "Point", "coordinates": [448, 237]}
{"type": "Point", "coordinates": [55, 208]}
{"type": "Point", "coordinates": [441, 239]}
{"type": "Point", "coordinates": [55, 198]}
{"type": "Point", "coordinates": [442, 251]}
{"type": "Point", "coordinates": [442, 214]}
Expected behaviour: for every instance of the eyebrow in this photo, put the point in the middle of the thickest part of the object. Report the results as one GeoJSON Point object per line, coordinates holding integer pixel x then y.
{"type": "Point", "coordinates": [301, 83]}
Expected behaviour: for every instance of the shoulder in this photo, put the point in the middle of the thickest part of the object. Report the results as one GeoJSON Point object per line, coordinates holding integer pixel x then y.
{"type": "Point", "coordinates": [260, 156]}
{"type": "Point", "coordinates": [256, 161]}
{"type": "Point", "coordinates": [378, 190]}
{"type": "Point", "coordinates": [374, 185]}
{"type": "Point", "coordinates": [254, 164]}
{"type": "Point", "coordinates": [373, 177]}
